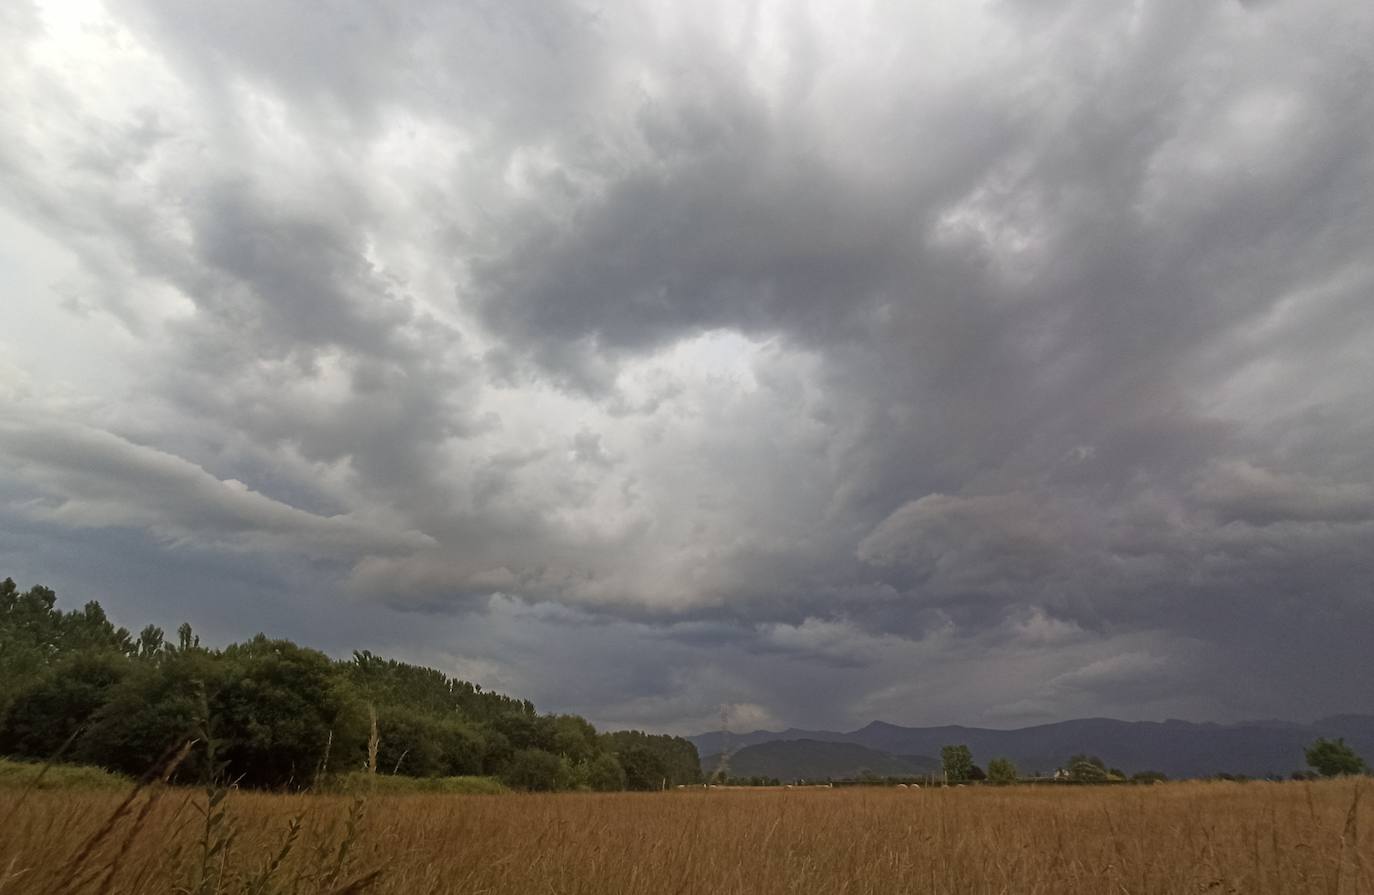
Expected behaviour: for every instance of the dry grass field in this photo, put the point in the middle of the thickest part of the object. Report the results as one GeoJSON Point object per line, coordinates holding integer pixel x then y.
{"type": "Point", "coordinates": [1284, 838]}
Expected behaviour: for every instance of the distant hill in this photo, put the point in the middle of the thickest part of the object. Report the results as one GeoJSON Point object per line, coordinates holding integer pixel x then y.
{"type": "Point", "coordinates": [817, 760]}
{"type": "Point", "coordinates": [1178, 748]}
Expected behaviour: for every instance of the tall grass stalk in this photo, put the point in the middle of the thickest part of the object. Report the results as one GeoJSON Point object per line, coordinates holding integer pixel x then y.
{"type": "Point", "coordinates": [1255, 838]}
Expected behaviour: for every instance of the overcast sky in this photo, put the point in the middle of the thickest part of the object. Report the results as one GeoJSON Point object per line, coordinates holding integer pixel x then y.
{"type": "Point", "coordinates": [985, 362]}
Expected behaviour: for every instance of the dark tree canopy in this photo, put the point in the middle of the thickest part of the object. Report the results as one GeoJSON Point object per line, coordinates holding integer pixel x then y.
{"type": "Point", "coordinates": [281, 715]}
{"type": "Point", "coordinates": [1333, 758]}
{"type": "Point", "coordinates": [652, 761]}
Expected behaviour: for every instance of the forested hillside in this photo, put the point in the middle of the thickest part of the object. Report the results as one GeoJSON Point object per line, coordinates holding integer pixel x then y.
{"type": "Point", "coordinates": [279, 715]}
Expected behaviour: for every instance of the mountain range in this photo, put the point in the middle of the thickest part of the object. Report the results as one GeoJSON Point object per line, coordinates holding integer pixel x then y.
{"type": "Point", "coordinates": [819, 760]}
{"type": "Point", "coordinates": [1177, 748]}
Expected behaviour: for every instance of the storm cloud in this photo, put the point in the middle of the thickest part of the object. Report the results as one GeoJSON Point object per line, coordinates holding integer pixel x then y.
{"type": "Point", "coordinates": [946, 362]}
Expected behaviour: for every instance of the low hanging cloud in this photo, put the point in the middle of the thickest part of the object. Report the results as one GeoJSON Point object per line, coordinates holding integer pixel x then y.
{"type": "Point", "coordinates": [87, 478]}
{"type": "Point", "coordinates": [946, 363]}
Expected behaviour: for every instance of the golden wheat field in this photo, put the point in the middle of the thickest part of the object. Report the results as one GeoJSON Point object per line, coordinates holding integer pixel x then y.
{"type": "Point", "coordinates": [1187, 837]}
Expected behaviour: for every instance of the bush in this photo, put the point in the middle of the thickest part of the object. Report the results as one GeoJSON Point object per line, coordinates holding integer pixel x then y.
{"type": "Point", "coordinates": [1333, 758]}
{"type": "Point", "coordinates": [1001, 771]}
{"type": "Point", "coordinates": [1087, 769]}
{"type": "Point", "coordinates": [24, 774]}
{"type": "Point", "coordinates": [1149, 777]}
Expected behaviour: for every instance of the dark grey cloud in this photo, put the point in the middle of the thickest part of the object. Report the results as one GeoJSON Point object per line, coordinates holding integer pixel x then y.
{"type": "Point", "coordinates": [934, 364]}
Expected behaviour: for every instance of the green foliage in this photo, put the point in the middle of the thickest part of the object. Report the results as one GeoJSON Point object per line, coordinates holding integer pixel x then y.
{"type": "Point", "coordinates": [153, 706]}
{"type": "Point", "coordinates": [42, 718]}
{"type": "Point", "coordinates": [957, 762]}
{"type": "Point", "coordinates": [653, 761]}
{"type": "Point", "coordinates": [1001, 771]}
{"type": "Point", "coordinates": [1149, 777]}
{"type": "Point", "coordinates": [645, 769]}
{"type": "Point", "coordinates": [388, 682]}
{"type": "Point", "coordinates": [35, 635]}
{"type": "Point", "coordinates": [525, 731]}
{"type": "Point", "coordinates": [602, 773]}
{"type": "Point", "coordinates": [361, 783]}
{"type": "Point", "coordinates": [284, 716]}
{"type": "Point", "coordinates": [1333, 758]}
{"type": "Point", "coordinates": [38, 775]}
{"type": "Point", "coordinates": [760, 780]}
{"type": "Point", "coordinates": [274, 711]}
{"type": "Point", "coordinates": [535, 770]}
{"type": "Point", "coordinates": [1086, 769]}
{"type": "Point", "coordinates": [573, 738]}
{"type": "Point", "coordinates": [1082, 758]}
{"type": "Point", "coordinates": [150, 643]}
{"type": "Point", "coordinates": [420, 744]}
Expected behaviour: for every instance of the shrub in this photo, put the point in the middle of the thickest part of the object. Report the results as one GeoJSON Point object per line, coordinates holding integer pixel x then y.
{"type": "Point", "coordinates": [1149, 777]}
{"type": "Point", "coordinates": [1001, 771]}
{"type": "Point", "coordinates": [1333, 758]}
{"type": "Point", "coordinates": [25, 774]}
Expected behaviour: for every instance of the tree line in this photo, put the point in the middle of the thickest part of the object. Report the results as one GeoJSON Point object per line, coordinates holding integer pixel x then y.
{"type": "Point", "coordinates": [283, 716]}
{"type": "Point", "coordinates": [1326, 758]}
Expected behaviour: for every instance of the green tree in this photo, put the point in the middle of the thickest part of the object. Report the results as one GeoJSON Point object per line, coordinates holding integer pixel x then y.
{"type": "Point", "coordinates": [603, 773]}
{"type": "Point", "coordinates": [497, 752]}
{"type": "Point", "coordinates": [150, 643]}
{"type": "Point", "coordinates": [155, 706]}
{"type": "Point", "coordinates": [1333, 758]}
{"type": "Point", "coordinates": [957, 762]}
{"type": "Point", "coordinates": [416, 743]}
{"type": "Point", "coordinates": [645, 769]}
{"type": "Point", "coordinates": [1086, 769]}
{"type": "Point", "coordinates": [536, 771]}
{"type": "Point", "coordinates": [277, 706]}
{"type": "Point", "coordinates": [35, 635]}
{"type": "Point", "coordinates": [463, 748]}
{"type": "Point", "coordinates": [674, 759]}
{"type": "Point", "coordinates": [1001, 771]}
{"type": "Point", "coordinates": [277, 711]}
{"type": "Point", "coordinates": [410, 742]}
{"type": "Point", "coordinates": [61, 702]}
{"type": "Point", "coordinates": [524, 731]}
{"type": "Point", "coordinates": [574, 738]}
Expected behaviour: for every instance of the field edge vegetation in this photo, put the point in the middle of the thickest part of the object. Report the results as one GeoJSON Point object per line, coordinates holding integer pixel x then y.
{"type": "Point", "coordinates": [78, 689]}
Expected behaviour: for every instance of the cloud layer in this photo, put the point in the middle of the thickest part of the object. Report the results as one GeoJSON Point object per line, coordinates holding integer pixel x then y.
{"type": "Point", "coordinates": [986, 363]}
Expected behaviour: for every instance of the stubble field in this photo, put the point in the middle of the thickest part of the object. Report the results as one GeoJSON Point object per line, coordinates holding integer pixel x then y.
{"type": "Point", "coordinates": [1190, 837]}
